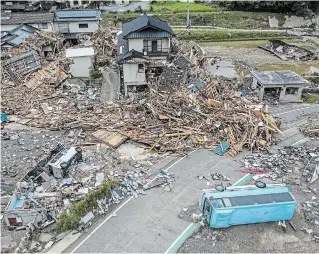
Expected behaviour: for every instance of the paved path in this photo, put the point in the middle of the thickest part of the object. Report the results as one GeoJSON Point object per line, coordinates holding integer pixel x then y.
{"type": "Point", "coordinates": [150, 223]}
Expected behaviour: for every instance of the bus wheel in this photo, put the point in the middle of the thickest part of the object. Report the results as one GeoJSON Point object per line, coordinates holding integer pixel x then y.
{"type": "Point", "coordinates": [260, 184]}
{"type": "Point", "coordinates": [220, 188]}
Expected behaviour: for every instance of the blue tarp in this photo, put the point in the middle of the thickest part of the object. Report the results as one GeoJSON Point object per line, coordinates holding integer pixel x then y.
{"type": "Point", "coordinates": [220, 150]}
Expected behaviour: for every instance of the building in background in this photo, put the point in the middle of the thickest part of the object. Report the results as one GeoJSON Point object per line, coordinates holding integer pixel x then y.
{"type": "Point", "coordinates": [42, 21]}
{"type": "Point", "coordinates": [73, 22]}
{"type": "Point", "coordinates": [20, 6]}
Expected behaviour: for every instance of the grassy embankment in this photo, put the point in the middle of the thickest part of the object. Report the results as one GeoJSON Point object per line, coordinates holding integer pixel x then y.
{"type": "Point", "coordinates": [225, 19]}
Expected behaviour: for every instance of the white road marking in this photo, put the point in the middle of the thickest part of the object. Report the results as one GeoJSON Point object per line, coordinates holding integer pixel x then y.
{"type": "Point", "coordinates": [122, 205]}
{"type": "Point", "coordinates": [283, 113]}
{"type": "Point", "coordinates": [300, 141]}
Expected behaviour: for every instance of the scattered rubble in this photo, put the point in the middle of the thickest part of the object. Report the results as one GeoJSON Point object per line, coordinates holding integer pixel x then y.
{"type": "Point", "coordinates": [288, 160]}
{"type": "Point", "coordinates": [286, 51]}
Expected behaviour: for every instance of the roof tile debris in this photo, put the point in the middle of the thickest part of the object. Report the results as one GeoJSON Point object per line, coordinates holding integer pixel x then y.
{"type": "Point", "coordinates": [17, 36]}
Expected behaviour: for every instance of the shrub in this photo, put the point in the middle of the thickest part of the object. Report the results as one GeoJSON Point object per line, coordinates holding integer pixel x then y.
{"type": "Point", "coordinates": [71, 219]}
{"type": "Point", "coordinates": [95, 73]}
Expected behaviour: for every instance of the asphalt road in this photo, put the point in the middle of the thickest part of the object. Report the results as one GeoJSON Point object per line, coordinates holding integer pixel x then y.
{"type": "Point", "coordinates": [150, 223]}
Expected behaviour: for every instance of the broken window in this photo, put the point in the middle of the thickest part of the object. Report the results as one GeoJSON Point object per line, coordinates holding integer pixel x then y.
{"type": "Point", "coordinates": [83, 25]}
{"type": "Point", "coordinates": [140, 68]}
{"type": "Point", "coordinates": [292, 90]}
{"type": "Point", "coordinates": [43, 26]}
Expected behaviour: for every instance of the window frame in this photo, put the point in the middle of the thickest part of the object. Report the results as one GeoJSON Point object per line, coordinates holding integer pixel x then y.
{"type": "Point", "coordinates": [140, 68]}
{"type": "Point", "coordinates": [85, 24]}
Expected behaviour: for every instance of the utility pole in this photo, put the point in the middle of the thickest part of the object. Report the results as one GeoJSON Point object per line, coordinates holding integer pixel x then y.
{"type": "Point", "coordinates": [187, 19]}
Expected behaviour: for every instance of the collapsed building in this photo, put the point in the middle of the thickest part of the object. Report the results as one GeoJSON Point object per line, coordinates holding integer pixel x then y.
{"type": "Point", "coordinates": [287, 51]}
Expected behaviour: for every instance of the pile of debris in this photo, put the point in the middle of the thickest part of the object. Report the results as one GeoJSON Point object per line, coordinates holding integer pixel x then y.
{"type": "Point", "coordinates": [202, 115]}
{"type": "Point", "coordinates": [287, 51]}
{"type": "Point", "coordinates": [289, 160]}
{"type": "Point", "coordinates": [105, 47]}
{"type": "Point", "coordinates": [41, 39]}
{"type": "Point", "coordinates": [104, 42]}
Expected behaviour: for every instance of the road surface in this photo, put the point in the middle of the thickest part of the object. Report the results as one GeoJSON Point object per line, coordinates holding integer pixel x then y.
{"type": "Point", "coordinates": [150, 223]}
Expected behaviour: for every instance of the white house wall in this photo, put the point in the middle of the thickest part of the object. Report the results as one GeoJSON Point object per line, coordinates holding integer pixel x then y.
{"type": "Point", "coordinates": [49, 29]}
{"type": "Point", "coordinates": [81, 66]}
{"type": "Point", "coordinates": [132, 76]}
{"type": "Point", "coordinates": [138, 44]}
{"type": "Point", "coordinates": [74, 26]}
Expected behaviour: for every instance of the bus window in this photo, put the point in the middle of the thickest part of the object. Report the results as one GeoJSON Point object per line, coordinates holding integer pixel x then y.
{"type": "Point", "coordinates": [217, 203]}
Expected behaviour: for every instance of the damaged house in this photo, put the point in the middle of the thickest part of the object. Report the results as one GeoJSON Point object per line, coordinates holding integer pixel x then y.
{"type": "Point", "coordinates": [144, 43]}
{"type": "Point", "coordinates": [283, 86]}
{"type": "Point", "coordinates": [22, 210]}
{"type": "Point", "coordinates": [70, 23]}
{"type": "Point", "coordinates": [12, 40]}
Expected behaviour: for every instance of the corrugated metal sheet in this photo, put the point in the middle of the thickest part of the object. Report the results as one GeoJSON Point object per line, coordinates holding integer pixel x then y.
{"type": "Point", "coordinates": [149, 34]}
{"type": "Point", "coordinates": [77, 15]}
{"type": "Point", "coordinates": [16, 36]}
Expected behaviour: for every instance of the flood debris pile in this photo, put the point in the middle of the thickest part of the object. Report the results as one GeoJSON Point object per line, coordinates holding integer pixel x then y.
{"type": "Point", "coordinates": [204, 117]}
{"type": "Point", "coordinates": [289, 160]}
{"type": "Point", "coordinates": [69, 187]}
{"type": "Point", "coordinates": [311, 213]}
{"type": "Point", "coordinates": [287, 51]}
{"type": "Point", "coordinates": [42, 42]}
{"type": "Point", "coordinates": [105, 47]}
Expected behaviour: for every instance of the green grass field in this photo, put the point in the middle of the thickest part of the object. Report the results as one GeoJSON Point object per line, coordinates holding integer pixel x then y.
{"type": "Point", "coordinates": [226, 19]}
{"type": "Point", "coordinates": [211, 35]}
{"type": "Point", "coordinates": [178, 7]}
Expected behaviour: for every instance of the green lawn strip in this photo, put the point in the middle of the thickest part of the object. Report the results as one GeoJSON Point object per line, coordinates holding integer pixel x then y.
{"type": "Point", "coordinates": [177, 7]}
{"type": "Point", "coordinates": [235, 19]}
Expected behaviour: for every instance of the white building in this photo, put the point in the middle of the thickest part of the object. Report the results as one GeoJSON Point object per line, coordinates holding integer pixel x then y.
{"type": "Point", "coordinates": [142, 40]}
{"type": "Point", "coordinates": [43, 21]}
{"type": "Point", "coordinates": [82, 61]}
{"type": "Point", "coordinates": [72, 22]}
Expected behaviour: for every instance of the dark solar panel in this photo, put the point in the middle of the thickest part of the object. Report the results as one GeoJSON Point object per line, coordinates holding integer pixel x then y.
{"type": "Point", "coordinates": [260, 199]}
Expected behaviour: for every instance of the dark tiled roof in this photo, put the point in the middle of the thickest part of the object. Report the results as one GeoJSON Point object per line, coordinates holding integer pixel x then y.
{"type": "Point", "coordinates": [145, 21]}
{"type": "Point", "coordinates": [16, 36]}
{"type": "Point", "coordinates": [75, 15]}
{"type": "Point", "coordinates": [121, 42]}
{"type": "Point", "coordinates": [28, 18]}
{"type": "Point", "coordinates": [131, 54]}
{"type": "Point", "coordinates": [13, 7]}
